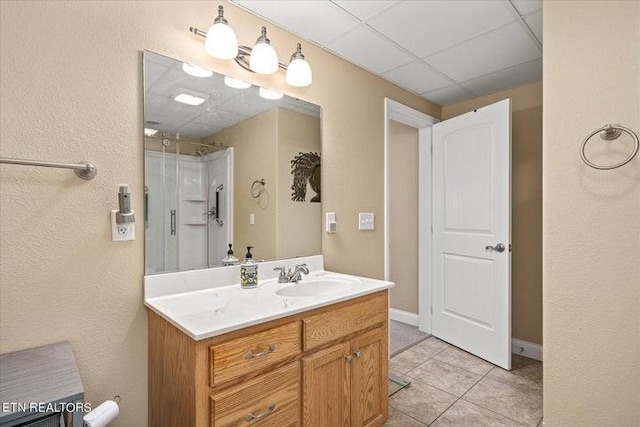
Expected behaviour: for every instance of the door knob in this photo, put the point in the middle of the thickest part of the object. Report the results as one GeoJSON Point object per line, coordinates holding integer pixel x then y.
{"type": "Point", "coordinates": [498, 248]}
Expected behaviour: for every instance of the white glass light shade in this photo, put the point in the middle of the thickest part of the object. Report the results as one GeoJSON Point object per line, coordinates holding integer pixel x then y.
{"type": "Point", "coordinates": [235, 83]}
{"type": "Point", "coordinates": [269, 94]}
{"type": "Point", "coordinates": [221, 41]}
{"type": "Point", "coordinates": [264, 59]}
{"type": "Point", "coordinates": [299, 73]}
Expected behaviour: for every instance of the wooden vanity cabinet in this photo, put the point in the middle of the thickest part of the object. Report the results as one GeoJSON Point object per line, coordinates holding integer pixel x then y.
{"type": "Point", "coordinates": [346, 384]}
{"type": "Point", "coordinates": [324, 367]}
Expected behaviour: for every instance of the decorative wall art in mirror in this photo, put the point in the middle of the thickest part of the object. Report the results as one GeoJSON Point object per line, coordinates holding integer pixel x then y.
{"type": "Point", "coordinates": [225, 164]}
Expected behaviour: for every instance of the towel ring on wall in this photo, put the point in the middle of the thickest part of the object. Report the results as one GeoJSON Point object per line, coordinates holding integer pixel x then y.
{"type": "Point", "coordinates": [610, 132]}
{"type": "Point", "coordinates": [257, 187]}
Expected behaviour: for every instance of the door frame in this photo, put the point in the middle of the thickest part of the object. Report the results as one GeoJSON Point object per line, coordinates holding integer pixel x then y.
{"type": "Point", "coordinates": [398, 112]}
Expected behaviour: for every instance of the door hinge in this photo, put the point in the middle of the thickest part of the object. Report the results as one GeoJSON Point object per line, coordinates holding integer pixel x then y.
{"type": "Point", "coordinates": [431, 228]}
{"type": "Point", "coordinates": [431, 309]}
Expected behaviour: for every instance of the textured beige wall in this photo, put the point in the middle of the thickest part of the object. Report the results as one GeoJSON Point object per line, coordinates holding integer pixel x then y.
{"type": "Point", "coordinates": [71, 89]}
{"type": "Point", "coordinates": [526, 221]}
{"type": "Point", "coordinates": [591, 218]}
{"type": "Point", "coordinates": [254, 143]}
{"type": "Point", "coordinates": [403, 216]}
{"type": "Point", "coordinates": [299, 225]}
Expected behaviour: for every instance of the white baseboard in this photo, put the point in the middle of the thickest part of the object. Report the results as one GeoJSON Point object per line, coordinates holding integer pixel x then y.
{"type": "Point", "coordinates": [526, 349]}
{"type": "Point", "coordinates": [403, 316]}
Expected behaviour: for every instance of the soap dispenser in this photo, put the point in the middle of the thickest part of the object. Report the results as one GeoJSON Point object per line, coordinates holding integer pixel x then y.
{"type": "Point", "coordinates": [248, 271]}
{"type": "Point", "coordinates": [230, 259]}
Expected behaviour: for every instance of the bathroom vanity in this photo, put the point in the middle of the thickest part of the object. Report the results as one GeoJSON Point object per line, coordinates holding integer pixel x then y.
{"type": "Point", "coordinates": [312, 353]}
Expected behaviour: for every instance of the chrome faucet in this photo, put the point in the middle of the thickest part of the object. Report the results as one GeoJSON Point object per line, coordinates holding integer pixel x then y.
{"type": "Point", "coordinates": [291, 277]}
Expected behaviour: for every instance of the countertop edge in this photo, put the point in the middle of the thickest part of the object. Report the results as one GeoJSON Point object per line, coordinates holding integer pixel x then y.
{"type": "Point", "coordinates": [378, 285]}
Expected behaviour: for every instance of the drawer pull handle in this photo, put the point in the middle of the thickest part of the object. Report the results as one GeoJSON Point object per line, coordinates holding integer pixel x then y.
{"type": "Point", "coordinates": [357, 353]}
{"type": "Point", "coordinates": [251, 355]}
{"type": "Point", "coordinates": [348, 357]}
{"type": "Point", "coordinates": [270, 409]}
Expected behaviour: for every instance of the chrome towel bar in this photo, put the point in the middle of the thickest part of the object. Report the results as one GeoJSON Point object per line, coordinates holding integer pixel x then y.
{"type": "Point", "coordinates": [84, 170]}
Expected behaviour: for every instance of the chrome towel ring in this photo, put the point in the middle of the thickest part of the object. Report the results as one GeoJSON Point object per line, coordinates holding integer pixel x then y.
{"type": "Point", "coordinates": [610, 132]}
{"type": "Point", "coordinates": [257, 187]}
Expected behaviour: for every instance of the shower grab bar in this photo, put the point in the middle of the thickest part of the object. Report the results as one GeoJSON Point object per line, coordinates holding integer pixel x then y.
{"type": "Point", "coordinates": [84, 170]}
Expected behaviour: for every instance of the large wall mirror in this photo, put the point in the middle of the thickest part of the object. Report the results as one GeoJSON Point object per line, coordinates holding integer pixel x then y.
{"type": "Point", "coordinates": [226, 163]}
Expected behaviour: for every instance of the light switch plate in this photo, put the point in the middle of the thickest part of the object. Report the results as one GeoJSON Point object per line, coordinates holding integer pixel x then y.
{"type": "Point", "coordinates": [332, 224]}
{"type": "Point", "coordinates": [366, 221]}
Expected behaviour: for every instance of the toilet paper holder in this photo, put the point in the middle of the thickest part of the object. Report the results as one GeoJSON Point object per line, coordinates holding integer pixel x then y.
{"type": "Point", "coordinates": [103, 414]}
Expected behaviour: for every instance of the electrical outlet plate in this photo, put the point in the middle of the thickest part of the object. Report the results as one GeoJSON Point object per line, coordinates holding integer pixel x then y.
{"type": "Point", "coordinates": [366, 221]}
{"type": "Point", "coordinates": [121, 232]}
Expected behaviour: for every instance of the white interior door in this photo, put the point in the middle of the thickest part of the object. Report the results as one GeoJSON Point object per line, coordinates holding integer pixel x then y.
{"type": "Point", "coordinates": [471, 257]}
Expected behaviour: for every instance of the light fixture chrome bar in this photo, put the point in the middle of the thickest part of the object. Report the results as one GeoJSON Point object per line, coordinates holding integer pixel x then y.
{"type": "Point", "coordinates": [243, 52]}
{"type": "Point", "coordinates": [84, 170]}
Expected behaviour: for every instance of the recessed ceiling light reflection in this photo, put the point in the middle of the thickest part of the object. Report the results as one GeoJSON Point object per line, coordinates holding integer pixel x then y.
{"type": "Point", "coordinates": [185, 98]}
{"type": "Point", "coordinates": [235, 83]}
{"type": "Point", "coordinates": [196, 71]}
{"type": "Point", "coordinates": [269, 94]}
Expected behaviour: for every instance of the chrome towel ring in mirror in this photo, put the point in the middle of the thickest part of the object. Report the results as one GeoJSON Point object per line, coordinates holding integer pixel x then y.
{"type": "Point", "coordinates": [610, 132]}
{"type": "Point", "coordinates": [257, 187]}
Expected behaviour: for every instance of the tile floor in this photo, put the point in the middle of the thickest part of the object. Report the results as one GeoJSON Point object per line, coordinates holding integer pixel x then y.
{"type": "Point", "coordinates": [452, 388]}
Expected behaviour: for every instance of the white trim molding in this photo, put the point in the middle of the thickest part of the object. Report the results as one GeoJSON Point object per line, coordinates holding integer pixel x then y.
{"type": "Point", "coordinates": [526, 349]}
{"type": "Point", "coordinates": [403, 316]}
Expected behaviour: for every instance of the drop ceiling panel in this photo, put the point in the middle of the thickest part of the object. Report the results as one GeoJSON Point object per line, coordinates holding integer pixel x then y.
{"type": "Point", "coordinates": [526, 7]}
{"type": "Point", "coordinates": [499, 49]}
{"type": "Point", "coordinates": [449, 95]}
{"type": "Point", "coordinates": [506, 79]}
{"type": "Point", "coordinates": [319, 21]}
{"type": "Point", "coordinates": [418, 77]}
{"type": "Point", "coordinates": [367, 49]}
{"type": "Point", "coordinates": [427, 27]}
{"type": "Point", "coordinates": [364, 9]}
{"type": "Point", "coordinates": [535, 23]}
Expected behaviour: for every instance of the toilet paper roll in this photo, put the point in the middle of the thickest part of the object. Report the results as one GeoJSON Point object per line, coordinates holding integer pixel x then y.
{"type": "Point", "coordinates": [102, 415]}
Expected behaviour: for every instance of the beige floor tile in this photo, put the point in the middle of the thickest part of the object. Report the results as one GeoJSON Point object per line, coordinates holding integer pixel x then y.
{"type": "Point", "coordinates": [465, 414]}
{"type": "Point", "coordinates": [398, 419]}
{"type": "Point", "coordinates": [523, 371]}
{"type": "Point", "coordinates": [515, 401]}
{"type": "Point", "coordinates": [417, 355]}
{"type": "Point", "coordinates": [541, 423]}
{"type": "Point", "coordinates": [421, 401]}
{"type": "Point", "coordinates": [456, 357]}
{"type": "Point", "coordinates": [446, 377]}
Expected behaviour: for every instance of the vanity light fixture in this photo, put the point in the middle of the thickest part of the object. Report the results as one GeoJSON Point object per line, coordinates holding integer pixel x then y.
{"type": "Point", "coordinates": [269, 94]}
{"type": "Point", "coordinates": [299, 71]}
{"type": "Point", "coordinates": [263, 58]}
{"type": "Point", "coordinates": [196, 71]}
{"type": "Point", "coordinates": [221, 43]}
{"type": "Point", "coordinates": [235, 83]}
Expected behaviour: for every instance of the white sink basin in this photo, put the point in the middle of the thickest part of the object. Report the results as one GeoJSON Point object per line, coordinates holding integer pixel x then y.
{"type": "Point", "coordinates": [316, 287]}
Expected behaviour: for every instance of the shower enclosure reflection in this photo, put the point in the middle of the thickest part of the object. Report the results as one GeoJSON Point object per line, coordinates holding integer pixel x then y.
{"type": "Point", "coordinates": [206, 144]}
{"type": "Point", "coordinates": [187, 190]}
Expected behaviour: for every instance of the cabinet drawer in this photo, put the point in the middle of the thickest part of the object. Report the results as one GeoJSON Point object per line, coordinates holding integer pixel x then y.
{"type": "Point", "coordinates": [326, 327]}
{"type": "Point", "coordinates": [272, 399]}
{"type": "Point", "coordinates": [253, 352]}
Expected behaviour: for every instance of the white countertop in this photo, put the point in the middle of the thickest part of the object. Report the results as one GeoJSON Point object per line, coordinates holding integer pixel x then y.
{"type": "Point", "coordinates": [208, 312]}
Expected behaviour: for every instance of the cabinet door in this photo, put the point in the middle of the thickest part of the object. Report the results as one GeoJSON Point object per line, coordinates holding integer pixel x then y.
{"type": "Point", "coordinates": [369, 370]}
{"type": "Point", "coordinates": [325, 388]}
